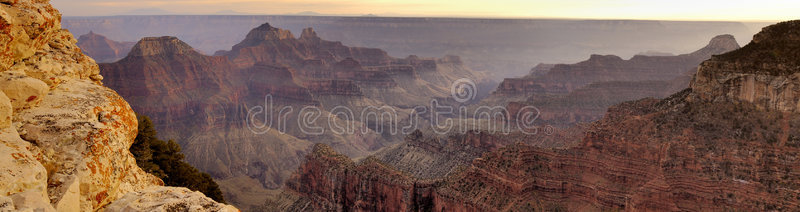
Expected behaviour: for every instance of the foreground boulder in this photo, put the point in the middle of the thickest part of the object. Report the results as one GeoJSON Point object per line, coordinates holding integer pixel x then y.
{"type": "Point", "coordinates": [64, 137]}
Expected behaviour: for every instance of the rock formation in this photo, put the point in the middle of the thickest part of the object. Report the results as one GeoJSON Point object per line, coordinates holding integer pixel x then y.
{"type": "Point", "coordinates": [581, 92]}
{"type": "Point", "coordinates": [204, 101]}
{"type": "Point", "coordinates": [504, 47]}
{"type": "Point", "coordinates": [764, 73]}
{"type": "Point", "coordinates": [101, 49]}
{"type": "Point", "coordinates": [563, 78]}
{"type": "Point", "coordinates": [64, 136]}
{"type": "Point", "coordinates": [697, 150]}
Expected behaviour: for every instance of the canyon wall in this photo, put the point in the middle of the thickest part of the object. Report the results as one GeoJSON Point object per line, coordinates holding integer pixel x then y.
{"type": "Point", "coordinates": [566, 94]}
{"type": "Point", "coordinates": [65, 137]}
{"type": "Point", "coordinates": [696, 150]}
{"type": "Point", "coordinates": [207, 103]}
{"type": "Point", "coordinates": [764, 73]}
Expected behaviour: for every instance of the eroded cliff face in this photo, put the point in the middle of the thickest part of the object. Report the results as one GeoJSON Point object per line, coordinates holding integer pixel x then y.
{"type": "Point", "coordinates": [65, 137]}
{"type": "Point", "coordinates": [697, 150]}
{"type": "Point", "coordinates": [101, 49]}
{"type": "Point", "coordinates": [204, 101]}
{"type": "Point", "coordinates": [206, 98]}
{"type": "Point", "coordinates": [564, 78]}
{"type": "Point", "coordinates": [765, 72]}
{"type": "Point", "coordinates": [567, 94]}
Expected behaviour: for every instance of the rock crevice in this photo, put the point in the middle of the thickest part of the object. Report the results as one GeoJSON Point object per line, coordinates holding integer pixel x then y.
{"type": "Point", "coordinates": [64, 137]}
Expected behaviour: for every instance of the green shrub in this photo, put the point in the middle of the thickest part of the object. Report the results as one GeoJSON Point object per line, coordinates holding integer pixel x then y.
{"type": "Point", "coordinates": [164, 160]}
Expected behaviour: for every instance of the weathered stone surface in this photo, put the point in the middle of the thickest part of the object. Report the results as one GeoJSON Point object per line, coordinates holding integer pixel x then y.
{"type": "Point", "coordinates": [64, 138]}
{"type": "Point", "coordinates": [25, 26]}
{"type": "Point", "coordinates": [60, 60]}
{"type": "Point", "coordinates": [83, 131]}
{"type": "Point", "coordinates": [167, 199]}
{"type": "Point", "coordinates": [31, 201]}
{"type": "Point", "coordinates": [23, 91]}
{"type": "Point", "coordinates": [765, 72]}
{"type": "Point", "coordinates": [21, 171]}
{"type": "Point", "coordinates": [6, 111]}
{"type": "Point", "coordinates": [153, 46]}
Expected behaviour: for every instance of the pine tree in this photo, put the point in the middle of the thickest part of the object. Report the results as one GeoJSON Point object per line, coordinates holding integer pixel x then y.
{"type": "Point", "coordinates": [164, 160]}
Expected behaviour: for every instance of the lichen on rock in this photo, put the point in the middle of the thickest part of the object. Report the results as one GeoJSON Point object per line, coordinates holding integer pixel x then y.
{"type": "Point", "coordinates": [64, 138]}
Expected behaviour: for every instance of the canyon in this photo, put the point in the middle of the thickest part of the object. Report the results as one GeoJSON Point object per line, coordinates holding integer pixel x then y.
{"type": "Point", "coordinates": [64, 137]}
{"type": "Point", "coordinates": [206, 103]}
{"type": "Point", "coordinates": [728, 142]}
{"type": "Point", "coordinates": [261, 111]}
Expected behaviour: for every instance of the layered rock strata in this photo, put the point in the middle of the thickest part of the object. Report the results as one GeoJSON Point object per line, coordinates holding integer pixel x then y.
{"type": "Point", "coordinates": [64, 137]}
{"type": "Point", "coordinates": [697, 150]}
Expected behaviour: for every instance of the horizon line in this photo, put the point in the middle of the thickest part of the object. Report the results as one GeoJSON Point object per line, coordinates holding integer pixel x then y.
{"type": "Point", "coordinates": [436, 17]}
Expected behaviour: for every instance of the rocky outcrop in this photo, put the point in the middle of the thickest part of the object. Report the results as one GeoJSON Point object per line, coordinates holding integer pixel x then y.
{"type": "Point", "coordinates": [103, 50]}
{"type": "Point", "coordinates": [765, 72]}
{"type": "Point", "coordinates": [167, 199]}
{"type": "Point", "coordinates": [64, 138]}
{"type": "Point", "coordinates": [563, 78]}
{"type": "Point", "coordinates": [155, 46]}
{"type": "Point", "coordinates": [581, 92]}
{"type": "Point", "coordinates": [672, 154]}
{"type": "Point", "coordinates": [206, 101]}
{"type": "Point", "coordinates": [172, 64]}
{"type": "Point", "coordinates": [717, 45]}
{"type": "Point", "coordinates": [374, 186]}
{"type": "Point", "coordinates": [540, 69]}
{"type": "Point", "coordinates": [692, 151]}
{"type": "Point", "coordinates": [208, 97]}
{"type": "Point", "coordinates": [627, 161]}
{"type": "Point", "coordinates": [269, 44]}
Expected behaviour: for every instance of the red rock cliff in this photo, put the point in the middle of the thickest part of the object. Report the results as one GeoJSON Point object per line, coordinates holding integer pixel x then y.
{"type": "Point", "coordinates": [687, 152]}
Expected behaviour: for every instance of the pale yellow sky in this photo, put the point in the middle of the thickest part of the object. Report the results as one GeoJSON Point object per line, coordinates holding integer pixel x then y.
{"type": "Point", "coordinates": [735, 10]}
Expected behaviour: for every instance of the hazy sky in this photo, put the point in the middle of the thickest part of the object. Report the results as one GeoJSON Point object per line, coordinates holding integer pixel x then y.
{"type": "Point", "coordinates": [589, 9]}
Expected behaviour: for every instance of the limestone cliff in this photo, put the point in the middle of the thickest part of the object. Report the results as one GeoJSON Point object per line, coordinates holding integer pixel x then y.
{"type": "Point", "coordinates": [64, 136]}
